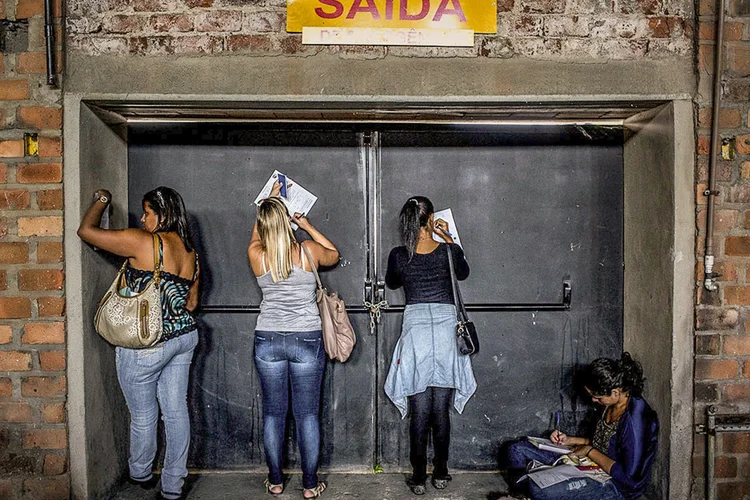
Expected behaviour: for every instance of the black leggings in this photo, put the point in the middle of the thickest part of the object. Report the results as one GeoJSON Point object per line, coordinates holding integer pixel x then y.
{"type": "Point", "coordinates": [430, 411]}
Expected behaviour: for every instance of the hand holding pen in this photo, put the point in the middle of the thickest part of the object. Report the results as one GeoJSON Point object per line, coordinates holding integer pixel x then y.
{"type": "Point", "coordinates": [441, 229]}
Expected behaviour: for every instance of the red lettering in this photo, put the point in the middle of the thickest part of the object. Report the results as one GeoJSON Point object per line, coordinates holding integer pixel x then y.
{"type": "Point", "coordinates": [414, 17]}
{"type": "Point", "coordinates": [371, 8]}
{"type": "Point", "coordinates": [389, 9]}
{"type": "Point", "coordinates": [443, 10]}
{"type": "Point", "coordinates": [332, 15]}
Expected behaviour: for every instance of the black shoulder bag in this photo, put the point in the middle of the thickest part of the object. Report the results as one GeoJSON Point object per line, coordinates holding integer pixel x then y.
{"type": "Point", "coordinates": [466, 333]}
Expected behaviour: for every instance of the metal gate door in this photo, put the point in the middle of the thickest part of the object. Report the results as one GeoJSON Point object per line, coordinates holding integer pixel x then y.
{"type": "Point", "coordinates": [534, 209]}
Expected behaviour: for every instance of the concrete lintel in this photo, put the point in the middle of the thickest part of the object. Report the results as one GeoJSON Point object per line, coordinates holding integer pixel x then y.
{"type": "Point", "coordinates": [390, 79]}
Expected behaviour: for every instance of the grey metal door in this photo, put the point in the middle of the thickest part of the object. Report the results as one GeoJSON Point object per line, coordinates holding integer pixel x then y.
{"type": "Point", "coordinates": [535, 208]}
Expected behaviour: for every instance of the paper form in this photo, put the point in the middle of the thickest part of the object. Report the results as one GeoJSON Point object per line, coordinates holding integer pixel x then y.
{"type": "Point", "coordinates": [447, 216]}
{"type": "Point", "coordinates": [298, 199]}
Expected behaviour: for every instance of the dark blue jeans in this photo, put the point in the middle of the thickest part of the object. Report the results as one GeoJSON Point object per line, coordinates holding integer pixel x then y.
{"type": "Point", "coordinates": [297, 360]}
{"type": "Point", "coordinates": [523, 452]}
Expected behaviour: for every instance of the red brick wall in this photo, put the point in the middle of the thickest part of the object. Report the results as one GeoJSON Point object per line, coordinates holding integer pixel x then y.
{"type": "Point", "coordinates": [559, 29]}
{"type": "Point", "coordinates": [722, 342]}
{"type": "Point", "coordinates": [33, 433]}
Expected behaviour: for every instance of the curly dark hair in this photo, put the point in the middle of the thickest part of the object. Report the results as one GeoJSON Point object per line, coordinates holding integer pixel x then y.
{"type": "Point", "coordinates": [414, 215]}
{"type": "Point", "coordinates": [605, 374]}
{"type": "Point", "coordinates": [168, 206]}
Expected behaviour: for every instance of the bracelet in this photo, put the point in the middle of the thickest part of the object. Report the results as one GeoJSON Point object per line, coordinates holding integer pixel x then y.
{"type": "Point", "coordinates": [591, 448]}
{"type": "Point", "coordinates": [103, 199]}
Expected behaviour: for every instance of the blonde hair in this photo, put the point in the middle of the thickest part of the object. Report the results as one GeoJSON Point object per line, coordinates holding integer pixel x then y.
{"type": "Point", "coordinates": [276, 237]}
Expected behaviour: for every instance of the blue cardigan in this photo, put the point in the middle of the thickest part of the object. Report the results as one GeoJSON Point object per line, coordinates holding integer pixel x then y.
{"type": "Point", "coordinates": [633, 448]}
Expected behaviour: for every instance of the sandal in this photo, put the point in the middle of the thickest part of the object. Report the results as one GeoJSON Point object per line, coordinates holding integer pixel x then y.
{"type": "Point", "coordinates": [316, 492]}
{"type": "Point", "coordinates": [271, 487]}
{"type": "Point", "coordinates": [416, 488]}
{"type": "Point", "coordinates": [440, 483]}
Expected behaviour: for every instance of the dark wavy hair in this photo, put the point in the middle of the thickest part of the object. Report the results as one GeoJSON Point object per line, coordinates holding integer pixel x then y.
{"type": "Point", "coordinates": [414, 215]}
{"type": "Point", "coordinates": [168, 206]}
{"type": "Point", "coordinates": [605, 374]}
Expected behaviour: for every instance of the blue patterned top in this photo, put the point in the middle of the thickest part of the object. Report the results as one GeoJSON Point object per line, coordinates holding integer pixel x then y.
{"type": "Point", "coordinates": [174, 291]}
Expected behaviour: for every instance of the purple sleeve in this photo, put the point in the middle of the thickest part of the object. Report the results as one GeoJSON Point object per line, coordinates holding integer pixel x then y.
{"type": "Point", "coordinates": [634, 452]}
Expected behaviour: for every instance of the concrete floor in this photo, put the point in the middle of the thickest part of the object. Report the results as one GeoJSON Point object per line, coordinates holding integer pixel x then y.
{"type": "Point", "coordinates": [249, 486]}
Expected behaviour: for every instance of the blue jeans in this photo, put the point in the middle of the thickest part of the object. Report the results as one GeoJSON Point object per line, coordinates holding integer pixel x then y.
{"type": "Point", "coordinates": [150, 379]}
{"type": "Point", "coordinates": [297, 359]}
{"type": "Point", "coordinates": [523, 452]}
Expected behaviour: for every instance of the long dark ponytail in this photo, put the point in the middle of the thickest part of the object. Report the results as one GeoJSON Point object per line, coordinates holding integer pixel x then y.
{"type": "Point", "coordinates": [170, 209]}
{"type": "Point", "coordinates": [414, 215]}
{"type": "Point", "coordinates": [605, 374]}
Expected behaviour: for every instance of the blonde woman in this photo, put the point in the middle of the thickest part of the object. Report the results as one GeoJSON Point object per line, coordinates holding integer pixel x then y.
{"type": "Point", "coordinates": [288, 339]}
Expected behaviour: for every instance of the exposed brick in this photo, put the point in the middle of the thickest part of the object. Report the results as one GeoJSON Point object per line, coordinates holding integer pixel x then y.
{"type": "Point", "coordinates": [39, 173]}
{"type": "Point", "coordinates": [52, 360]}
{"type": "Point", "coordinates": [124, 24]}
{"type": "Point", "coordinates": [15, 361]}
{"type": "Point", "coordinates": [265, 21]}
{"type": "Point", "coordinates": [49, 252]}
{"type": "Point", "coordinates": [29, 8]}
{"type": "Point", "coordinates": [6, 387]}
{"type": "Point", "coordinates": [170, 23]}
{"type": "Point", "coordinates": [225, 21]}
{"type": "Point", "coordinates": [40, 226]}
{"type": "Point", "coordinates": [32, 63]}
{"type": "Point", "coordinates": [54, 414]}
{"type": "Point", "coordinates": [733, 490]}
{"type": "Point", "coordinates": [737, 245]}
{"type": "Point", "coordinates": [746, 369]}
{"type": "Point", "coordinates": [51, 306]}
{"type": "Point", "coordinates": [14, 90]}
{"type": "Point", "coordinates": [736, 393]}
{"type": "Point", "coordinates": [198, 3]}
{"type": "Point", "coordinates": [707, 344]}
{"type": "Point", "coordinates": [3, 279]}
{"type": "Point", "coordinates": [717, 319]}
{"type": "Point", "coordinates": [6, 334]}
{"type": "Point", "coordinates": [44, 333]}
{"type": "Point", "coordinates": [40, 118]}
{"type": "Point", "coordinates": [728, 118]}
{"type": "Point", "coordinates": [706, 393]}
{"type": "Point", "coordinates": [54, 465]}
{"type": "Point", "coordinates": [50, 146]}
{"type": "Point", "coordinates": [739, 8]}
{"type": "Point", "coordinates": [736, 344]}
{"type": "Point", "coordinates": [659, 27]}
{"type": "Point", "coordinates": [197, 44]}
{"type": "Point", "coordinates": [7, 489]}
{"type": "Point", "coordinates": [51, 199]}
{"type": "Point", "coordinates": [14, 199]}
{"type": "Point", "coordinates": [715, 369]}
{"type": "Point", "coordinates": [542, 6]}
{"type": "Point", "coordinates": [47, 488]}
{"type": "Point", "coordinates": [3, 173]}
{"type": "Point", "coordinates": [742, 143]}
{"type": "Point", "coordinates": [43, 387]}
{"type": "Point", "coordinates": [15, 412]}
{"type": "Point", "coordinates": [704, 144]}
{"type": "Point", "coordinates": [739, 59]}
{"type": "Point", "coordinates": [249, 43]}
{"type": "Point", "coordinates": [735, 442]}
{"type": "Point", "coordinates": [529, 26]}
{"type": "Point", "coordinates": [649, 7]}
{"type": "Point", "coordinates": [745, 170]}
{"type": "Point", "coordinates": [732, 31]}
{"type": "Point", "coordinates": [40, 279]}
{"type": "Point", "coordinates": [46, 439]}
{"type": "Point", "coordinates": [738, 89]}
{"type": "Point", "coordinates": [11, 149]}
{"type": "Point", "coordinates": [14, 253]}
{"type": "Point", "coordinates": [725, 467]}
{"type": "Point", "coordinates": [15, 307]}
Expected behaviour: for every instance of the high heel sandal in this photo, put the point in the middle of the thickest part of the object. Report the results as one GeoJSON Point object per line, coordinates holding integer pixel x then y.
{"type": "Point", "coordinates": [270, 487]}
{"type": "Point", "coordinates": [316, 492]}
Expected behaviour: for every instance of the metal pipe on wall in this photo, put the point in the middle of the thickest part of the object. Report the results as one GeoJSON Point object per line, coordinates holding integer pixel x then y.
{"type": "Point", "coordinates": [49, 31]}
{"type": "Point", "coordinates": [708, 259]}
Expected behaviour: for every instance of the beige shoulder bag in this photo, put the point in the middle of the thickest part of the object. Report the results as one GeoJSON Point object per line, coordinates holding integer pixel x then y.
{"type": "Point", "coordinates": [132, 321]}
{"type": "Point", "coordinates": [338, 334]}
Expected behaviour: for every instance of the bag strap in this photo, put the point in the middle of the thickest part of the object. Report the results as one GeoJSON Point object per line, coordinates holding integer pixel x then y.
{"type": "Point", "coordinates": [157, 257]}
{"type": "Point", "coordinates": [460, 308]}
{"type": "Point", "coordinates": [312, 265]}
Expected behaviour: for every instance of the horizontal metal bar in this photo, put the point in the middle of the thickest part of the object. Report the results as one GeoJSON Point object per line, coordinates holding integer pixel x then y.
{"type": "Point", "coordinates": [604, 122]}
{"type": "Point", "coordinates": [358, 309]}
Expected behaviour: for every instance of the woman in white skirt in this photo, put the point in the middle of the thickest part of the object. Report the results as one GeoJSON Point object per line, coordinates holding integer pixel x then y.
{"type": "Point", "coordinates": [427, 372]}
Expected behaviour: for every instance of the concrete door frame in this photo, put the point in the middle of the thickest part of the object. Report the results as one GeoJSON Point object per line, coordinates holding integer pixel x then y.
{"type": "Point", "coordinates": [93, 474]}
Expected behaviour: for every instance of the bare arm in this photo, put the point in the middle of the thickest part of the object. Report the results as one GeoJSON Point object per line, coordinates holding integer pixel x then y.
{"type": "Point", "coordinates": [325, 252]}
{"type": "Point", "coordinates": [123, 242]}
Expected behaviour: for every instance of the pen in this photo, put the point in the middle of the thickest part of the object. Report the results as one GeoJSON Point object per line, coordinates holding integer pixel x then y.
{"type": "Point", "coordinates": [557, 423]}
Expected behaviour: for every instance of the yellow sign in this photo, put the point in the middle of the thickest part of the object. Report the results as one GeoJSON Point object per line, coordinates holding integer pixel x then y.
{"type": "Point", "coordinates": [477, 15]}
{"type": "Point", "coordinates": [388, 36]}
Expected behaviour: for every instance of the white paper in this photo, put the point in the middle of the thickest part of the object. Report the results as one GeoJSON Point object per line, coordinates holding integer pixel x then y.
{"type": "Point", "coordinates": [298, 199]}
{"type": "Point", "coordinates": [447, 216]}
{"type": "Point", "coordinates": [547, 445]}
{"type": "Point", "coordinates": [548, 477]}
